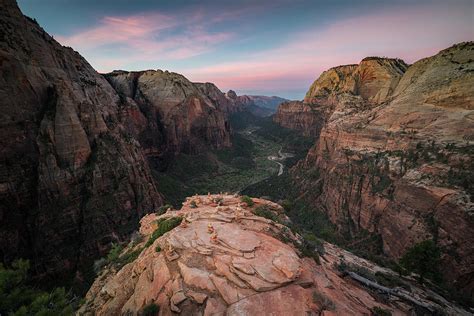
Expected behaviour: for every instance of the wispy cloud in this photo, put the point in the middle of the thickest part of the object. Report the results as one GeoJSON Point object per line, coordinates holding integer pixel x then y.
{"type": "Point", "coordinates": [121, 40]}
{"type": "Point", "coordinates": [216, 46]}
{"type": "Point", "coordinates": [410, 33]}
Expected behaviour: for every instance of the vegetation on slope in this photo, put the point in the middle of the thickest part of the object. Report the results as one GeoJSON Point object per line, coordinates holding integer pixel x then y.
{"type": "Point", "coordinates": [232, 169]}
{"type": "Point", "coordinates": [19, 297]}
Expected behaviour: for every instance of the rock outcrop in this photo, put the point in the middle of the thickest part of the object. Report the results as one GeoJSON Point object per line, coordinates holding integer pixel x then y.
{"type": "Point", "coordinates": [224, 260]}
{"type": "Point", "coordinates": [395, 154]}
{"type": "Point", "coordinates": [69, 182]}
{"type": "Point", "coordinates": [180, 116]}
{"type": "Point", "coordinates": [374, 80]}
{"type": "Point", "coordinates": [371, 82]}
{"type": "Point", "coordinates": [302, 117]}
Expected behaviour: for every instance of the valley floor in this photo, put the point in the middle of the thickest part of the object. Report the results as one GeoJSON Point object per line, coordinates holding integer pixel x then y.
{"type": "Point", "coordinates": [257, 155]}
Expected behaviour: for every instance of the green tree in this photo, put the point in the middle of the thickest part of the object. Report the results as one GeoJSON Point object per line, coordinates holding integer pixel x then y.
{"type": "Point", "coordinates": [151, 310]}
{"type": "Point", "coordinates": [17, 297]}
{"type": "Point", "coordinates": [423, 259]}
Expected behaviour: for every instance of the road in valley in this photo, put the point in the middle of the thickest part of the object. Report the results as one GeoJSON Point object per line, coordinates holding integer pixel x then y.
{"type": "Point", "coordinates": [281, 157]}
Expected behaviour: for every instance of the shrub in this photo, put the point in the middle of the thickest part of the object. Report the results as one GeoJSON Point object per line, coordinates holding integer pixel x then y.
{"type": "Point", "coordinates": [263, 211]}
{"type": "Point", "coordinates": [150, 310]}
{"type": "Point", "coordinates": [389, 280]}
{"type": "Point", "coordinates": [379, 311]}
{"type": "Point", "coordinates": [162, 209]}
{"type": "Point", "coordinates": [314, 243]}
{"type": "Point", "coordinates": [128, 257]}
{"type": "Point", "coordinates": [158, 248]}
{"type": "Point", "coordinates": [193, 204]}
{"type": "Point", "coordinates": [114, 253]}
{"type": "Point", "coordinates": [19, 298]}
{"type": "Point", "coordinates": [116, 258]}
{"type": "Point", "coordinates": [343, 266]}
{"type": "Point", "coordinates": [323, 301]}
{"type": "Point", "coordinates": [423, 259]}
{"type": "Point", "coordinates": [287, 205]}
{"type": "Point", "coordinates": [247, 200]}
{"type": "Point", "coordinates": [307, 249]}
{"type": "Point", "coordinates": [164, 226]}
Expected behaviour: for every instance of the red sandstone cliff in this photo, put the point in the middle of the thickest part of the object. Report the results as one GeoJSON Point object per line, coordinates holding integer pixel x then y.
{"type": "Point", "coordinates": [174, 115]}
{"type": "Point", "coordinates": [395, 156]}
{"type": "Point", "coordinates": [370, 82]}
{"type": "Point", "coordinates": [300, 116]}
{"type": "Point", "coordinates": [70, 182]}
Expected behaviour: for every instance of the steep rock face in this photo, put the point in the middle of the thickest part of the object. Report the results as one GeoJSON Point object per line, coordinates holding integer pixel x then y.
{"type": "Point", "coordinates": [300, 116]}
{"type": "Point", "coordinates": [402, 168]}
{"type": "Point", "coordinates": [225, 103]}
{"type": "Point", "coordinates": [225, 260]}
{"type": "Point", "coordinates": [337, 79]}
{"type": "Point", "coordinates": [374, 79]}
{"type": "Point", "coordinates": [181, 116]}
{"type": "Point", "coordinates": [369, 83]}
{"type": "Point", "coordinates": [69, 183]}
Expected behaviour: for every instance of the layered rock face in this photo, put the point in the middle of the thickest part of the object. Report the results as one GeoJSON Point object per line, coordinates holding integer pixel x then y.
{"type": "Point", "coordinates": [179, 116]}
{"type": "Point", "coordinates": [395, 156]}
{"type": "Point", "coordinates": [374, 79]}
{"type": "Point", "coordinates": [69, 182]}
{"type": "Point", "coordinates": [225, 260]}
{"type": "Point", "coordinates": [300, 116]}
{"type": "Point", "coordinates": [370, 82]}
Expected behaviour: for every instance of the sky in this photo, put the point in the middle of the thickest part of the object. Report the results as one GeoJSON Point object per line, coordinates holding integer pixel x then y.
{"type": "Point", "coordinates": [276, 47]}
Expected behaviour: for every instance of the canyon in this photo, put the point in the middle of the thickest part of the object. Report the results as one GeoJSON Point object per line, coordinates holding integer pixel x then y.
{"type": "Point", "coordinates": [79, 147]}
{"type": "Point", "coordinates": [393, 152]}
{"type": "Point", "coordinates": [90, 162]}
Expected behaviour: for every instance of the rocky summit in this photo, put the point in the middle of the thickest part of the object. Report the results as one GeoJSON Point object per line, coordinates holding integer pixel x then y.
{"type": "Point", "coordinates": [224, 258]}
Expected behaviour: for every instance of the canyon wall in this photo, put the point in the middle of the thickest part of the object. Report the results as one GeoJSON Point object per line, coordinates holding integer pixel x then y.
{"type": "Point", "coordinates": [370, 82]}
{"type": "Point", "coordinates": [174, 115]}
{"type": "Point", "coordinates": [300, 116]}
{"type": "Point", "coordinates": [395, 154]}
{"type": "Point", "coordinates": [70, 182]}
{"type": "Point", "coordinates": [78, 147]}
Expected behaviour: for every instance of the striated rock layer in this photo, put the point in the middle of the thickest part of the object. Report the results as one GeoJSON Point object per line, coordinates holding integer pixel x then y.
{"type": "Point", "coordinates": [300, 116]}
{"type": "Point", "coordinates": [395, 154]}
{"type": "Point", "coordinates": [370, 82]}
{"type": "Point", "coordinates": [170, 114]}
{"type": "Point", "coordinates": [70, 183]}
{"type": "Point", "coordinates": [225, 260]}
{"type": "Point", "coordinates": [77, 146]}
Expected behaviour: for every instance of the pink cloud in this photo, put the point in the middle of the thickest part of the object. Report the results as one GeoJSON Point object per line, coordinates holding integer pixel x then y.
{"type": "Point", "coordinates": [410, 33]}
{"type": "Point", "coordinates": [142, 38]}
{"type": "Point", "coordinates": [113, 30]}
{"type": "Point", "coordinates": [157, 39]}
